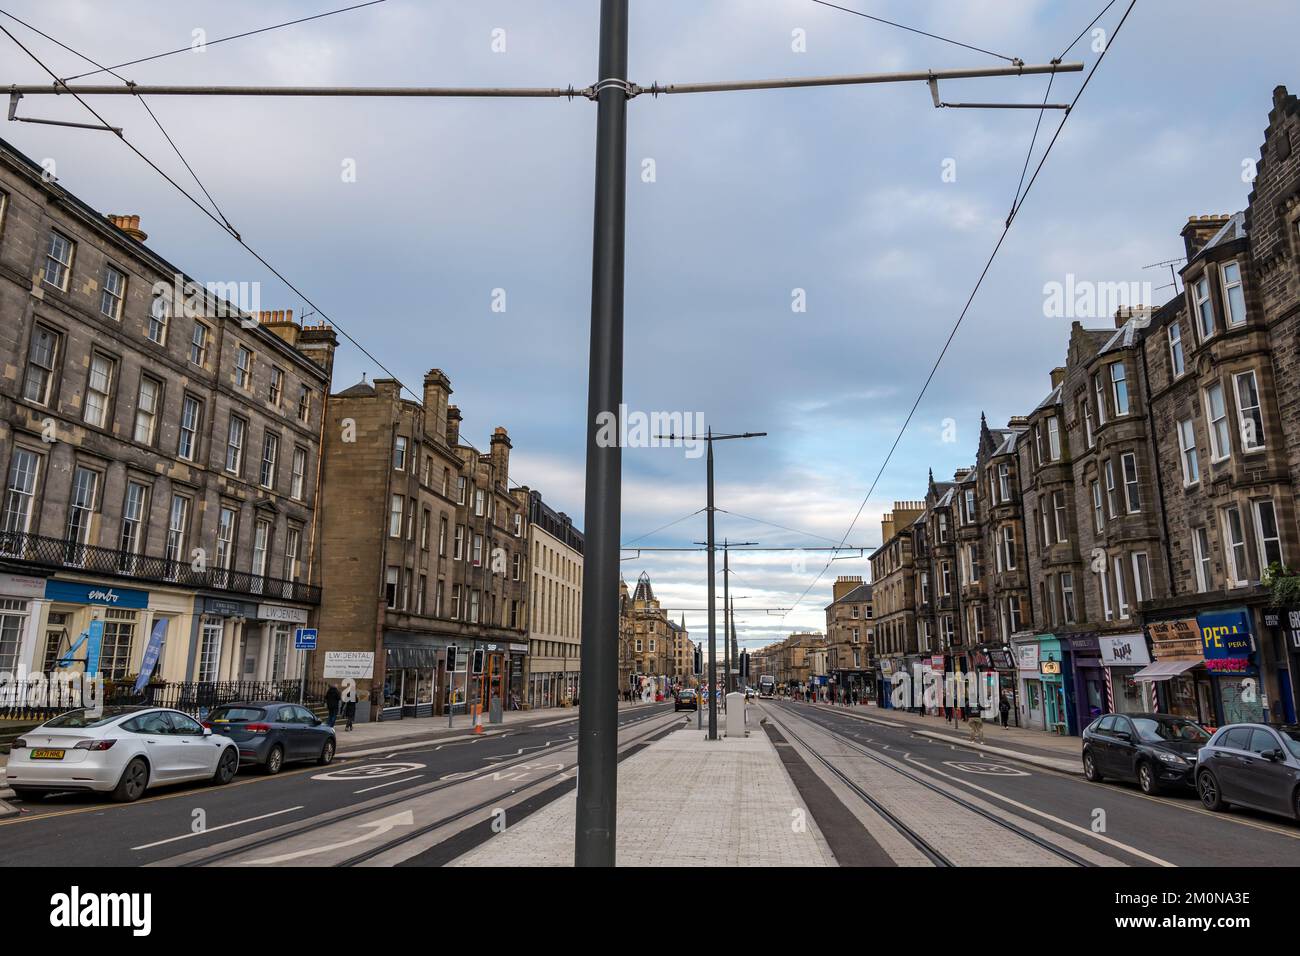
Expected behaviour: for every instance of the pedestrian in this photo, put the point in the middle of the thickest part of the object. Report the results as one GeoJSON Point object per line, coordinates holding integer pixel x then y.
{"type": "Point", "coordinates": [332, 698]}
{"type": "Point", "coordinates": [1004, 709]}
{"type": "Point", "coordinates": [976, 728]}
{"type": "Point", "coordinates": [349, 713]}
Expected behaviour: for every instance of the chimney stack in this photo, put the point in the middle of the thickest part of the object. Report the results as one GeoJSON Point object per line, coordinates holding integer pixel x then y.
{"type": "Point", "coordinates": [129, 225]}
{"type": "Point", "coordinates": [437, 390]}
{"type": "Point", "coordinates": [453, 426]}
{"type": "Point", "coordinates": [501, 455]}
{"type": "Point", "coordinates": [1058, 376]}
{"type": "Point", "coordinates": [1200, 230]}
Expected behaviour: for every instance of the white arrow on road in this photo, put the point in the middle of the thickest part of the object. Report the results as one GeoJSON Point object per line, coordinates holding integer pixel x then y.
{"type": "Point", "coordinates": [376, 828]}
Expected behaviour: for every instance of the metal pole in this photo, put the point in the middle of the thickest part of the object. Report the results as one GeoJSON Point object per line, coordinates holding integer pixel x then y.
{"type": "Point", "coordinates": [726, 612]}
{"type": "Point", "coordinates": [713, 620]}
{"type": "Point", "coordinates": [597, 811]}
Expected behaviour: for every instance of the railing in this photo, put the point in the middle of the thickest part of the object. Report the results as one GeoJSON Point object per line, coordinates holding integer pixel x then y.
{"type": "Point", "coordinates": [63, 554]}
{"type": "Point", "coordinates": [39, 698]}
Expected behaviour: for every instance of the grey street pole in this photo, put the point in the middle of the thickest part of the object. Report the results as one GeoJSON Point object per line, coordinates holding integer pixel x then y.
{"type": "Point", "coordinates": [713, 634]}
{"type": "Point", "coordinates": [598, 717]}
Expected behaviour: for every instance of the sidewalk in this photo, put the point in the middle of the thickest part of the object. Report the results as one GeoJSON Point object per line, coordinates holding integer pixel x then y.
{"type": "Point", "coordinates": [1030, 746]}
{"type": "Point", "coordinates": [683, 801]}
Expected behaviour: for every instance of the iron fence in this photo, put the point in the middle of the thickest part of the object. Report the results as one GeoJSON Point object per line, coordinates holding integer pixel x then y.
{"type": "Point", "coordinates": [39, 698]}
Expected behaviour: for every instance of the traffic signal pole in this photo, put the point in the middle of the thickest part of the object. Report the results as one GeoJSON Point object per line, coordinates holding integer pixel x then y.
{"type": "Point", "coordinates": [594, 832]}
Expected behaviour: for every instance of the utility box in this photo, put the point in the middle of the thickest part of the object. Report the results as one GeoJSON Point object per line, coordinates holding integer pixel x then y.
{"type": "Point", "coordinates": [735, 715]}
{"type": "Point", "coordinates": [494, 709]}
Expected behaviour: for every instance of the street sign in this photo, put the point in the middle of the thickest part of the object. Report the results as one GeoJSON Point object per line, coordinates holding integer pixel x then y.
{"type": "Point", "coordinates": [304, 639]}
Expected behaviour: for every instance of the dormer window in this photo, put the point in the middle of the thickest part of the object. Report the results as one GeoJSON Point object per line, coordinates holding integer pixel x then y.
{"type": "Point", "coordinates": [1234, 297]}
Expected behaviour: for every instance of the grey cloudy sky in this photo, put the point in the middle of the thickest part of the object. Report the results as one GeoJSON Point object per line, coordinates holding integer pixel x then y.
{"type": "Point", "coordinates": [838, 192]}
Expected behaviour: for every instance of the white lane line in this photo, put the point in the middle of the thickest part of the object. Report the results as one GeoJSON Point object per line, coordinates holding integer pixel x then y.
{"type": "Point", "coordinates": [207, 830]}
{"type": "Point", "coordinates": [1047, 816]}
{"type": "Point", "coordinates": [390, 783]}
{"type": "Point", "coordinates": [552, 723]}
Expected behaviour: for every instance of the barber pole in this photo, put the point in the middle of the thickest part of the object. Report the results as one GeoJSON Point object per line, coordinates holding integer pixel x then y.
{"type": "Point", "coordinates": [1110, 691]}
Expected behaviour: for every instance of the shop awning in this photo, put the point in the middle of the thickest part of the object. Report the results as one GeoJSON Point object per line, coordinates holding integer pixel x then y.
{"type": "Point", "coordinates": [1163, 670]}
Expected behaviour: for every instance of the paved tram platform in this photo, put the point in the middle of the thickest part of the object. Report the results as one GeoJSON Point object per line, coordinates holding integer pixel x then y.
{"type": "Point", "coordinates": [683, 801]}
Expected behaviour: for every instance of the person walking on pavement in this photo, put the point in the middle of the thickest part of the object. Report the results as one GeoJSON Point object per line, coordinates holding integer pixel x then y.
{"type": "Point", "coordinates": [349, 713]}
{"type": "Point", "coordinates": [332, 698]}
{"type": "Point", "coordinates": [976, 727]}
{"type": "Point", "coordinates": [1004, 709]}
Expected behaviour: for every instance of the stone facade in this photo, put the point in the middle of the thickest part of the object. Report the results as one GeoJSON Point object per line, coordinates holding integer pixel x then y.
{"type": "Point", "coordinates": [160, 448]}
{"type": "Point", "coordinates": [850, 633]}
{"type": "Point", "coordinates": [555, 614]}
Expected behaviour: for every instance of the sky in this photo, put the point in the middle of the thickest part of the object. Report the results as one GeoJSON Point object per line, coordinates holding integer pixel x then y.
{"type": "Point", "coordinates": [409, 222]}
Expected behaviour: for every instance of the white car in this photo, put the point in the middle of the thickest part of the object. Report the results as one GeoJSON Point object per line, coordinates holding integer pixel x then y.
{"type": "Point", "coordinates": [122, 751]}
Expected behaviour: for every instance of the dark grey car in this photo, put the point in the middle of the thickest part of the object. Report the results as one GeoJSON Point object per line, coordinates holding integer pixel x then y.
{"type": "Point", "coordinates": [270, 734]}
{"type": "Point", "coordinates": [1252, 765]}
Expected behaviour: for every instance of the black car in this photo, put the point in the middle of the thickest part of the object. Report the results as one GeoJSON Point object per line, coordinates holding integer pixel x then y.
{"type": "Point", "coordinates": [272, 733]}
{"type": "Point", "coordinates": [685, 699]}
{"type": "Point", "coordinates": [1156, 750]}
{"type": "Point", "coordinates": [1252, 765]}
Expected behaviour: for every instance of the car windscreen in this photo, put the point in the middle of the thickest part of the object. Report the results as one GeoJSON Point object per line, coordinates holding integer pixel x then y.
{"type": "Point", "coordinates": [237, 715]}
{"type": "Point", "coordinates": [82, 719]}
{"type": "Point", "coordinates": [1159, 729]}
{"type": "Point", "coordinates": [1291, 737]}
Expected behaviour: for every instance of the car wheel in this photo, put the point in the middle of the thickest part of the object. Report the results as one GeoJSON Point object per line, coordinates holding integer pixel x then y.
{"type": "Point", "coordinates": [327, 752]}
{"type": "Point", "coordinates": [274, 760]}
{"type": "Point", "coordinates": [1148, 783]}
{"type": "Point", "coordinates": [227, 766]}
{"type": "Point", "coordinates": [135, 778]}
{"type": "Point", "coordinates": [1090, 771]}
{"type": "Point", "coordinates": [1208, 790]}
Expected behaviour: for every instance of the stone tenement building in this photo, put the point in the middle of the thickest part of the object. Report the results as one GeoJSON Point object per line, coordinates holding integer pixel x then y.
{"type": "Point", "coordinates": [425, 546]}
{"type": "Point", "coordinates": [1141, 515]}
{"type": "Point", "coordinates": [160, 449]}
{"type": "Point", "coordinates": [555, 606]}
{"type": "Point", "coordinates": [850, 632]}
{"type": "Point", "coordinates": [897, 592]}
{"type": "Point", "coordinates": [651, 645]}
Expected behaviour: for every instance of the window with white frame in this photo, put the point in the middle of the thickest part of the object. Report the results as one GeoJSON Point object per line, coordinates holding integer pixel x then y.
{"type": "Point", "coordinates": [99, 390]}
{"type": "Point", "coordinates": [1201, 556]}
{"type": "Point", "coordinates": [1059, 515]}
{"type": "Point", "coordinates": [1141, 577]}
{"type": "Point", "coordinates": [243, 366]}
{"type": "Point", "coordinates": [1216, 417]}
{"type": "Point", "coordinates": [1038, 444]}
{"type": "Point", "coordinates": [191, 416]}
{"type": "Point", "coordinates": [298, 481]}
{"type": "Point", "coordinates": [478, 502]}
{"type": "Point", "coordinates": [1087, 422]}
{"type": "Point", "coordinates": [178, 520]}
{"type": "Point", "coordinates": [270, 460]}
{"type": "Point", "coordinates": [396, 505]}
{"type": "Point", "coordinates": [42, 356]}
{"type": "Point", "coordinates": [1266, 533]}
{"type": "Point", "coordinates": [81, 507]}
{"type": "Point", "coordinates": [1118, 388]}
{"type": "Point", "coordinates": [1054, 438]}
{"type": "Point", "coordinates": [1234, 297]}
{"type": "Point", "coordinates": [1177, 361]}
{"type": "Point", "coordinates": [1103, 582]}
{"type": "Point", "coordinates": [304, 403]}
{"type": "Point", "coordinates": [1009, 547]}
{"type": "Point", "coordinates": [945, 578]}
{"type": "Point", "coordinates": [113, 293]}
{"type": "Point", "coordinates": [1187, 445]}
{"type": "Point", "coordinates": [235, 444]}
{"type": "Point", "coordinates": [1004, 483]}
{"type": "Point", "coordinates": [199, 345]}
{"type": "Point", "coordinates": [459, 551]}
{"type": "Point", "coordinates": [1112, 490]}
{"type": "Point", "coordinates": [1099, 389]}
{"type": "Point", "coordinates": [134, 509]}
{"type": "Point", "coordinates": [58, 261]}
{"type": "Point", "coordinates": [1013, 613]}
{"type": "Point", "coordinates": [1132, 492]}
{"type": "Point", "coordinates": [1234, 537]}
{"type": "Point", "coordinates": [277, 386]}
{"type": "Point", "coordinates": [160, 311]}
{"type": "Point", "coordinates": [399, 453]}
{"type": "Point", "coordinates": [1203, 308]}
{"type": "Point", "coordinates": [476, 557]}
{"type": "Point", "coordinates": [1067, 596]}
{"type": "Point", "coordinates": [1250, 416]}
{"type": "Point", "coordinates": [225, 538]}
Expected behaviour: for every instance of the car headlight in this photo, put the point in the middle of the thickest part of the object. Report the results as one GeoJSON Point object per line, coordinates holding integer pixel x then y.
{"type": "Point", "coordinates": [1172, 758]}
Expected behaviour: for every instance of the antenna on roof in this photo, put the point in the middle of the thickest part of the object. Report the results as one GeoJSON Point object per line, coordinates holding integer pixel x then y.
{"type": "Point", "coordinates": [1172, 274]}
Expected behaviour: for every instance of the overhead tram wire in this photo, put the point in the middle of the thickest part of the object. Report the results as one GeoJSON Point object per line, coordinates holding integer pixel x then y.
{"type": "Point", "coordinates": [77, 53]}
{"type": "Point", "coordinates": [903, 26]}
{"type": "Point", "coordinates": [979, 282]}
{"type": "Point", "coordinates": [225, 227]}
{"type": "Point", "coordinates": [771, 524]}
{"type": "Point", "coordinates": [663, 528]}
{"type": "Point", "coordinates": [236, 36]}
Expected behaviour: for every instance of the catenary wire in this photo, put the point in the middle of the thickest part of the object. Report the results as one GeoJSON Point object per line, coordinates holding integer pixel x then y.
{"type": "Point", "coordinates": [903, 26]}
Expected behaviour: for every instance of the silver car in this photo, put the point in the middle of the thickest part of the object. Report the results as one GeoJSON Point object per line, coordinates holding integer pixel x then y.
{"type": "Point", "coordinates": [1251, 765]}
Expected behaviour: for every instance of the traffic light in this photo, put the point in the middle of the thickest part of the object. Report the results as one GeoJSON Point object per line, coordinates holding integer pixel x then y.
{"type": "Point", "coordinates": [744, 664]}
{"type": "Point", "coordinates": [478, 660]}
{"type": "Point", "coordinates": [451, 658]}
{"type": "Point", "coordinates": [699, 661]}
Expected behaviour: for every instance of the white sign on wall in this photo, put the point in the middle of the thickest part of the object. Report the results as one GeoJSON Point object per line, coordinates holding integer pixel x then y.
{"type": "Point", "coordinates": [280, 612]}
{"type": "Point", "coordinates": [356, 664]}
{"type": "Point", "coordinates": [1124, 650]}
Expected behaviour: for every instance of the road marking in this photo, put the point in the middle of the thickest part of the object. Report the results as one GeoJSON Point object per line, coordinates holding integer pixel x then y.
{"type": "Point", "coordinates": [207, 830]}
{"type": "Point", "coordinates": [1047, 816]}
{"type": "Point", "coordinates": [377, 828]}
{"type": "Point", "coordinates": [552, 723]}
{"type": "Point", "coordinates": [369, 771]}
{"type": "Point", "coordinates": [987, 769]}
{"type": "Point", "coordinates": [380, 786]}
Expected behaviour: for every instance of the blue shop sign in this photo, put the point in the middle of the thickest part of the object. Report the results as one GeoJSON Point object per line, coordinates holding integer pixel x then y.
{"type": "Point", "coordinates": [70, 592]}
{"type": "Point", "coordinates": [1225, 635]}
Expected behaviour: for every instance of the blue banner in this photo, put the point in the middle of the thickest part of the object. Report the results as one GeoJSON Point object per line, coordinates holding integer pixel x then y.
{"type": "Point", "coordinates": [1225, 635]}
{"type": "Point", "coordinates": [151, 652]}
{"type": "Point", "coordinates": [70, 592]}
{"type": "Point", "coordinates": [94, 642]}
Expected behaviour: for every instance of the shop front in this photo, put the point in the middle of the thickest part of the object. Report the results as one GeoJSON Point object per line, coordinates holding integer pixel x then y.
{"type": "Point", "coordinates": [1032, 712]}
{"type": "Point", "coordinates": [885, 682]}
{"type": "Point", "coordinates": [1041, 661]}
{"type": "Point", "coordinates": [21, 602]}
{"type": "Point", "coordinates": [1228, 645]}
{"type": "Point", "coordinates": [414, 671]}
{"type": "Point", "coordinates": [96, 627]}
{"type": "Point", "coordinates": [1002, 662]}
{"type": "Point", "coordinates": [1285, 626]}
{"type": "Point", "coordinates": [1176, 680]}
{"type": "Point", "coordinates": [1122, 657]}
{"type": "Point", "coordinates": [1087, 677]}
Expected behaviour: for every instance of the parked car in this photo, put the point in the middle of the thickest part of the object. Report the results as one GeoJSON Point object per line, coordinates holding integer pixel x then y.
{"type": "Point", "coordinates": [1252, 765]}
{"type": "Point", "coordinates": [686, 699]}
{"type": "Point", "coordinates": [122, 751]}
{"type": "Point", "coordinates": [273, 733]}
{"type": "Point", "coordinates": [1156, 750]}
